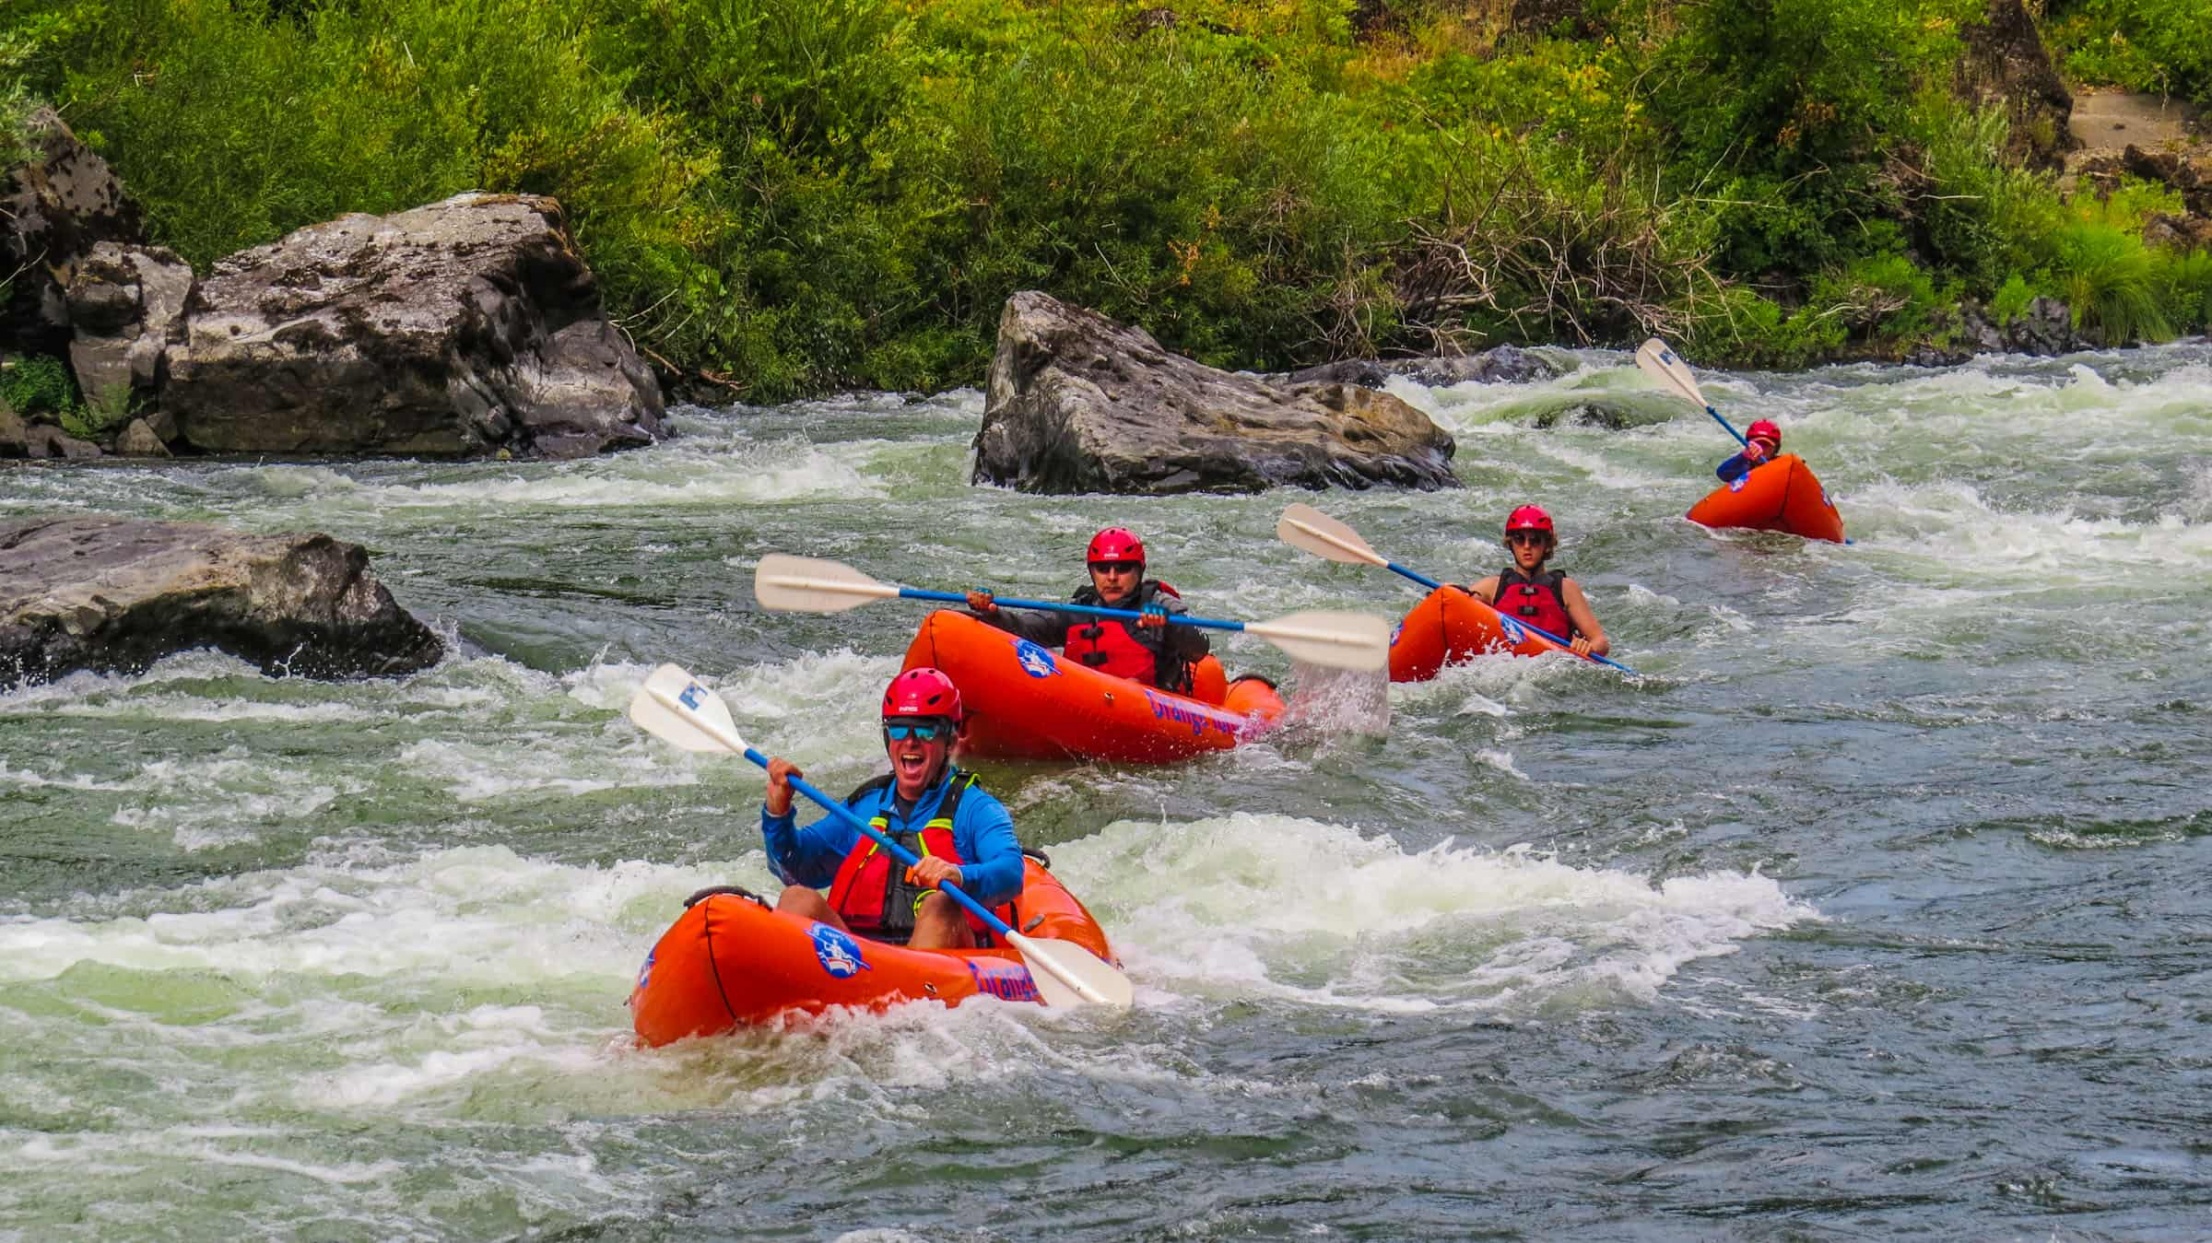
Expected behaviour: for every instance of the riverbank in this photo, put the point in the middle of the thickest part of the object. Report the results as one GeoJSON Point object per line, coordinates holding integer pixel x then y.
{"type": "Point", "coordinates": [796, 199]}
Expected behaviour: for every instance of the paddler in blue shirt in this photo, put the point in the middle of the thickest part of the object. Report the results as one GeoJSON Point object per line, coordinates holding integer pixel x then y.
{"type": "Point", "coordinates": [1146, 650]}
{"type": "Point", "coordinates": [1762, 440]}
{"type": "Point", "coordinates": [961, 833]}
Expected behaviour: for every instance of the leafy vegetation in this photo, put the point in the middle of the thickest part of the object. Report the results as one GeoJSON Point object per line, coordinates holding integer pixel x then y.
{"type": "Point", "coordinates": [799, 195]}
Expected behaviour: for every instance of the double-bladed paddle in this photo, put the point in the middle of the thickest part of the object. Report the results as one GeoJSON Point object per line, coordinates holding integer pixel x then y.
{"type": "Point", "coordinates": [1309, 530]}
{"type": "Point", "coordinates": [1661, 363]}
{"type": "Point", "coordinates": [673, 706]}
{"type": "Point", "coordinates": [1333, 640]}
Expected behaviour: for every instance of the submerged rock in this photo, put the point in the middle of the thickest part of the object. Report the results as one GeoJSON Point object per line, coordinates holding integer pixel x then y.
{"type": "Point", "coordinates": [1507, 364]}
{"type": "Point", "coordinates": [467, 327]}
{"type": "Point", "coordinates": [117, 594]}
{"type": "Point", "coordinates": [1079, 403]}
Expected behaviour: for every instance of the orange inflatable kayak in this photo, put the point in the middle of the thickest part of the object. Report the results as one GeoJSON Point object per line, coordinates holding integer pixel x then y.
{"type": "Point", "coordinates": [1450, 626]}
{"type": "Point", "coordinates": [1782, 495]}
{"type": "Point", "coordinates": [730, 961]}
{"type": "Point", "coordinates": [1027, 702]}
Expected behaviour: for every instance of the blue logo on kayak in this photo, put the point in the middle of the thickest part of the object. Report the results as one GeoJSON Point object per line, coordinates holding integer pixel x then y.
{"type": "Point", "coordinates": [1512, 630]}
{"type": "Point", "coordinates": [1395, 631]}
{"type": "Point", "coordinates": [1036, 661]}
{"type": "Point", "coordinates": [1736, 484]}
{"type": "Point", "coordinates": [645, 972]}
{"type": "Point", "coordinates": [838, 953]}
{"type": "Point", "coordinates": [1008, 983]}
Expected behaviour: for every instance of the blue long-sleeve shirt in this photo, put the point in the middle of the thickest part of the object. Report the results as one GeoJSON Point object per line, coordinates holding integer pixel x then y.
{"type": "Point", "coordinates": [982, 833]}
{"type": "Point", "coordinates": [1737, 467]}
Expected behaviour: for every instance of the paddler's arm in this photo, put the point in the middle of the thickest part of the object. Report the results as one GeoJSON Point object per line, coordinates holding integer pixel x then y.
{"type": "Point", "coordinates": [1049, 629]}
{"type": "Point", "coordinates": [1740, 465]}
{"type": "Point", "coordinates": [1485, 591]}
{"type": "Point", "coordinates": [985, 836]}
{"type": "Point", "coordinates": [1590, 637]}
{"type": "Point", "coordinates": [1186, 642]}
{"type": "Point", "coordinates": [794, 854]}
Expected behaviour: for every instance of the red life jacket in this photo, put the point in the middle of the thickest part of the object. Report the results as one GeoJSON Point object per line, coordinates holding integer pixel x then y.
{"type": "Point", "coordinates": [1114, 646]}
{"type": "Point", "coordinates": [870, 892]}
{"type": "Point", "coordinates": [1538, 600]}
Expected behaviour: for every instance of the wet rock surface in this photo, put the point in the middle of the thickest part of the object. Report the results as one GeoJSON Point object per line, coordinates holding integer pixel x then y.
{"type": "Point", "coordinates": [1079, 403]}
{"type": "Point", "coordinates": [463, 328]}
{"type": "Point", "coordinates": [117, 594]}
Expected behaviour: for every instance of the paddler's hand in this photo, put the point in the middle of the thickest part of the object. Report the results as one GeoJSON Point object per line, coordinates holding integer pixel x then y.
{"type": "Point", "coordinates": [1581, 645]}
{"type": "Point", "coordinates": [980, 601]}
{"type": "Point", "coordinates": [933, 871]}
{"type": "Point", "coordinates": [780, 773]}
{"type": "Point", "coordinates": [1753, 451]}
{"type": "Point", "coordinates": [1154, 617]}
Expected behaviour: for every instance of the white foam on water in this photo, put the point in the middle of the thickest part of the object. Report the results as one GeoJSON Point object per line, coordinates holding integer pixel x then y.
{"type": "Point", "coordinates": [1291, 908]}
{"type": "Point", "coordinates": [473, 913]}
{"type": "Point", "coordinates": [678, 474]}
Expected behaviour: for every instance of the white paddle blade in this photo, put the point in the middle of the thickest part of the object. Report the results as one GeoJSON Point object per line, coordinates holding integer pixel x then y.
{"type": "Point", "coordinates": [1309, 530]}
{"type": "Point", "coordinates": [1331, 640]}
{"type": "Point", "coordinates": [674, 707]}
{"type": "Point", "coordinates": [1069, 975]}
{"type": "Point", "coordinates": [1661, 363]}
{"type": "Point", "coordinates": [805, 585]}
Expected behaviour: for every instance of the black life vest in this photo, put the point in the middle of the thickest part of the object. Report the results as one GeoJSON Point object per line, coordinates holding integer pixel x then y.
{"type": "Point", "coordinates": [1117, 647]}
{"type": "Point", "coordinates": [1537, 600]}
{"type": "Point", "coordinates": [870, 892]}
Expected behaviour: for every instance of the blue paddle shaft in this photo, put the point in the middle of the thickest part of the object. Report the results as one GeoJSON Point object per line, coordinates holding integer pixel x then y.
{"type": "Point", "coordinates": [901, 853]}
{"type": "Point", "coordinates": [1054, 606]}
{"type": "Point", "coordinates": [1727, 428]}
{"type": "Point", "coordinates": [1420, 578]}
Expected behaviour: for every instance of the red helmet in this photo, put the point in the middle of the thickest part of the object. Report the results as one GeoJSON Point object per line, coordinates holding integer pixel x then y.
{"type": "Point", "coordinates": [1764, 429]}
{"type": "Point", "coordinates": [1116, 544]}
{"type": "Point", "coordinates": [922, 691]}
{"type": "Point", "coordinates": [1528, 518]}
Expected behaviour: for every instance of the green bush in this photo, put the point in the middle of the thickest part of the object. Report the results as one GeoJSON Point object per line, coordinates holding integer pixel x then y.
{"type": "Point", "coordinates": [2164, 46]}
{"type": "Point", "coordinates": [38, 385]}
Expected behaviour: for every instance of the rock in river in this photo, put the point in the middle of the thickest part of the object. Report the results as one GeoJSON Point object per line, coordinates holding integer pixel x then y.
{"type": "Point", "coordinates": [118, 594]}
{"type": "Point", "coordinates": [1079, 403]}
{"type": "Point", "coordinates": [461, 328]}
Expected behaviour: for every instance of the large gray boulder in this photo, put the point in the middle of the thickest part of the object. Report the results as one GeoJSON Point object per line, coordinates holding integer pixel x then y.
{"type": "Point", "coordinates": [117, 594]}
{"type": "Point", "coordinates": [461, 328]}
{"type": "Point", "coordinates": [55, 207]}
{"type": "Point", "coordinates": [1079, 403]}
{"type": "Point", "coordinates": [126, 306]}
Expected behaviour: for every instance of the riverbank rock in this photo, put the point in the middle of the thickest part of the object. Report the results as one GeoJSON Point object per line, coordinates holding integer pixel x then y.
{"type": "Point", "coordinates": [54, 208]}
{"type": "Point", "coordinates": [117, 594]}
{"type": "Point", "coordinates": [126, 306]}
{"type": "Point", "coordinates": [1079, 403]}
{"type": "Point", "coordinates": [462, 328]}
{"type": "Point", "coordinates": [1507, 364]}
{"type": "Point", "coordinates": [2006, 65]}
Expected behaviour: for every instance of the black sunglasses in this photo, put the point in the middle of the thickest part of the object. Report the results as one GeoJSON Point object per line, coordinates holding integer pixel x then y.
{"type": "Point", "coordinates": [927, 731]}
{"type": "Point", "coordinates": [1526, 537]}
{"type": "Point", "coordinates": [1118, 567]}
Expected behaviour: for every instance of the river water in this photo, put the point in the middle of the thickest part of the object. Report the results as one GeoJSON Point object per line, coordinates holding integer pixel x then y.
{"type": "Point", "coordinates": [1877, 904]}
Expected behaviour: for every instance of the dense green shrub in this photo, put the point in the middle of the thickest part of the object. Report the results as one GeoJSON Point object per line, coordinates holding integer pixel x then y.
{"type": "Point", "coordinates": [38, 385]}
{"type": "Point", "coordinates": [799, 195]}
{"type": "Point", "coordinates": [2145, 45]}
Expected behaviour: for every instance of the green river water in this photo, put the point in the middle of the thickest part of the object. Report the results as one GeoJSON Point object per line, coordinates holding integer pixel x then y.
{"type": "Point", "coordinates": [1877, 905]}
